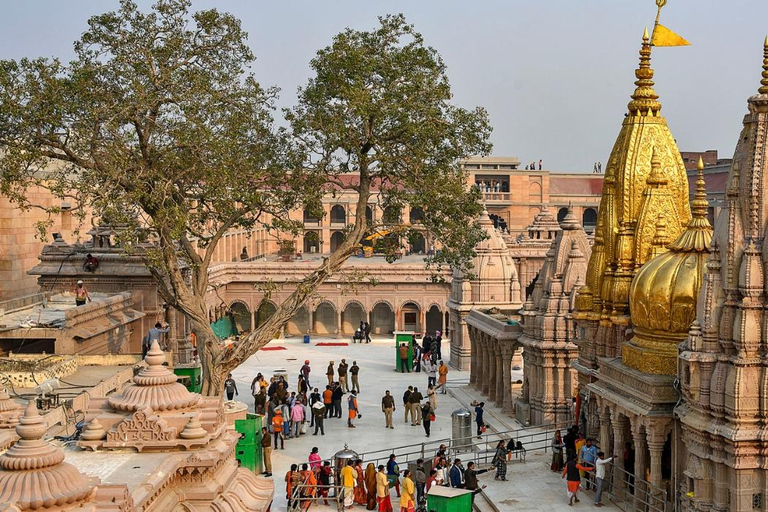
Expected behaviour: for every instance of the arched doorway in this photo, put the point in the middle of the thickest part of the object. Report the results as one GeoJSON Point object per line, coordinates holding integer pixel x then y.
{"type": "Point", "coordinates": [434, 320]}
{"type": "Point", "coordinates": [311, 242]}
{"type": "Point", "coordinates": [242, 316]}
{"type": "Point", "coordinates": [266, 310]}
{"type": "Point", "coordinates": [338, 215]}
{"type": "Point", "coordinates": [351, 316]}
{"type": "Point", "coordinates": [299, 323]}
{"type": "Point", "coordinates": [368, 215]}
{"type": "Point", "coordinates": [336, 240]}
{"type": "Point", "coordinates": [561, 213]}
{"type": "Point", "coordinates": [382, 319]}
{"type": "Point", "coordinates": [325, 318]}
{"type": "Point", "coordinates": [418, 244]}
{"type": "Point", "coordinates": [589, 219]}
{"type": "Point", "coordinates": [410, 317]}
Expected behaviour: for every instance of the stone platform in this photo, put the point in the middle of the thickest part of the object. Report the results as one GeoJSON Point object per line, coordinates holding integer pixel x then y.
{"type": "Point", "coordinates": [532, 486]}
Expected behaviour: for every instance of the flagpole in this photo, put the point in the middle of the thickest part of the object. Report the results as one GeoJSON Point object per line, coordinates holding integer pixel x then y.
{"type": "Point", "coordinates": [659, 5]}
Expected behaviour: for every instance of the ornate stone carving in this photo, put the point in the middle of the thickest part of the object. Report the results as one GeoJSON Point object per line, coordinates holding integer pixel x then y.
{"type": "Point", "coordinates": [33, 473]}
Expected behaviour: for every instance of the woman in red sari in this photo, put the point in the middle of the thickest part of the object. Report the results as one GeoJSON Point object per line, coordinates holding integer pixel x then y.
{"type": "Point", "coordinates": [361, 496]}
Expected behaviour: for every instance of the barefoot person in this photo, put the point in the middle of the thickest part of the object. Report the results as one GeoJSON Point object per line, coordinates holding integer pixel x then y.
{"type": "Point", "coordinates": [573, 479]}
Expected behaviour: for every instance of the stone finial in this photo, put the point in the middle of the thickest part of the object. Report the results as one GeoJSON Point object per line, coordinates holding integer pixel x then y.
{"type": "Point", "coordinates": [193, 430]}
{"type": "Point", "coordinates": [9, 410]}
{"type": "Point", "coordinates": [94, 431]}
{"type": "Point", "coordinates": [570, 221]}
{"type": "Point", "coordinates": [33, 473]}
{"type": "Point", "coordinates": [155, 387]}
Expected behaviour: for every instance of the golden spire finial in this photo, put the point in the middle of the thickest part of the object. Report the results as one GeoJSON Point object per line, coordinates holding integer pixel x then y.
{"type": "Point", "coordinates": [644, 98]}
{"type": "Point", "coordinates": [764, 82]}
{"type": "Point", "coordinates": [699, 204]}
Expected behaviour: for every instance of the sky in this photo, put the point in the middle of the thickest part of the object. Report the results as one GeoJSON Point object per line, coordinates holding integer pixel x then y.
{"type": "Point", "coordinates": [554, 75]}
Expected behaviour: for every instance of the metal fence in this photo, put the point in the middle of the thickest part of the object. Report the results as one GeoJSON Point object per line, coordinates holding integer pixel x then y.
{"type": "Point", "coordinates": [629, 493]}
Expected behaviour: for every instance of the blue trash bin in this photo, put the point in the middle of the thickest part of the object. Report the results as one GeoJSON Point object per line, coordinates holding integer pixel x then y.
{"type": "Point", "coordinates": [306, 338]}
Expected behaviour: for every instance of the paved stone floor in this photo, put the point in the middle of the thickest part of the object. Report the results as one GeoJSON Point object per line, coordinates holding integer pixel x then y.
{"type": "Point", "coordinates": [532, 486]}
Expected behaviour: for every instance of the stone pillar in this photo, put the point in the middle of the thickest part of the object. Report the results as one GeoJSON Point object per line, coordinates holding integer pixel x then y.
{"type": "Point", "coordinates": [605, 432]}
{"type": "Point", "coordinates": [422, 321]}
{"type": "Point", "coordinates": [311, 312]}
{"type": "Point", "coordinates": [253, 320]}
{"type": "Point", "coordinates": [473, 357]}
{"type": "Point", "coordinates": [655, 448]}
{"type": "Point", "coordinates": [493, 368]}
{"type": "Point", "coordinates": [506, 356]}
{"type": "Point", "coordinates": [639, 438]}
{"type": "Point", "coordinates": [338, 324]}
{"type": "Point", "coordinates": [499, 375]}
{"type": "Point", "coordinates": [486, 365]}
{"type": "Point", "coordinates": [619, 424]}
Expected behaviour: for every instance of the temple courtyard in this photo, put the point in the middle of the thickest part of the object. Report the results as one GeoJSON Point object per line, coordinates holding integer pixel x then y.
{"type": "Point", "coordinates": [531, 486]}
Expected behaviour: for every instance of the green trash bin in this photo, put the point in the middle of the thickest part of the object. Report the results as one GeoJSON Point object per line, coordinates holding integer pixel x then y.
{"type": "Point", "coordinates": [407, 338]}
{"type": "Point", "coordinates": [249, 445]}
{"type": "Point", "coordinates": [192, 377]}
{"type": "Point", "coordinates": [448, 499]}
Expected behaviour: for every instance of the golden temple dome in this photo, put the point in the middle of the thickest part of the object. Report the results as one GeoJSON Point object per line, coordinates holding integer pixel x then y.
{"type": "Point", "coordinates": [663, 295]}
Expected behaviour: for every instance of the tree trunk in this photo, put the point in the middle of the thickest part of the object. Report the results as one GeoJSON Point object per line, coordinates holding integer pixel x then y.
{"type": "Point", "coordinates": [209, 349]}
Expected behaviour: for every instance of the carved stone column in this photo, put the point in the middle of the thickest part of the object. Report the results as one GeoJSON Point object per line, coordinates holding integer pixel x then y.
{"type": "Point", "coordinates": [639, 438]}
{"type": "Point", "coordinates": [311, 312]}
{"type": "Point", "coordinates": [486, 365]}
{"type": "Point", "coordinates": [338, 324]}
{"type": "Point", "coordinates": [605, 432]}
{"type": "Point", "coordinates": [500, 371]}
{"type": "Point", "coordinates": [655, 449]}
{"type": "Point", "coordinates": [619, 424]}
{"type": "Point", "coordinates": [506, 356]}
{"type": "Point", "coordinates": [493, 368]}
{"type": "Point", "coordinates": [473, 357]}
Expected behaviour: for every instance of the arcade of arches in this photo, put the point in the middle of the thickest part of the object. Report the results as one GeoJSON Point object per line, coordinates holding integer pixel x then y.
{"type": "Point", "coordinates": [328, 318]}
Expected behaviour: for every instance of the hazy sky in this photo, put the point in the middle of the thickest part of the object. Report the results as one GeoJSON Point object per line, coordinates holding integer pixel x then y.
{"type": "Point", "coordinates": [555, 75]}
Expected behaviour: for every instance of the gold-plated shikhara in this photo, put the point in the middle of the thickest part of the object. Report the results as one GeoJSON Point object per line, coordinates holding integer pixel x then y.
{"type": "Point", "coordinates": [645, 199]}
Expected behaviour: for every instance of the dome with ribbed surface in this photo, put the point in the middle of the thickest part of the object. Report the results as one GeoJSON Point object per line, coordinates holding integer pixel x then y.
{"type": "Point", "coordinates": [33, 474]}
{"type": "Point", "coordinates": [664, 292]}
{"type": "Point", "coordinates": [154, 387]}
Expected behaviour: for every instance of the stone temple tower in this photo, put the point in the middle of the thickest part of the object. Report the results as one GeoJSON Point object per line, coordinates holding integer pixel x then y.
{"type": "Point", "coordinates": [722, 364]}
{"type": "Point", "coordinates": [494, 283]}
{"type": "Point", "coordinates": [548, 333]}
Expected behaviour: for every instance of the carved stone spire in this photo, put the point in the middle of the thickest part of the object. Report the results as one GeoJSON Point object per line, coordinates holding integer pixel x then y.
{"type": "Point", "coordinates": [33, 473]}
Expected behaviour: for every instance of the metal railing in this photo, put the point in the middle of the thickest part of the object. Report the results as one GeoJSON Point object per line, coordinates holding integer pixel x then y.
{"type": "Point", "coordinates": [304, 495]}
{"type": "Point", "coordinates": [629, 493]}
{"type": "Point", "coordinates": [482, 450]}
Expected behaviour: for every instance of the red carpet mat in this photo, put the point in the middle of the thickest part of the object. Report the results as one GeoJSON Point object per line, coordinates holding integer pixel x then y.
{"type": "Point", "coordinates": [276, 347]}
{"type": "Point", "coordinates": [331, 344]}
